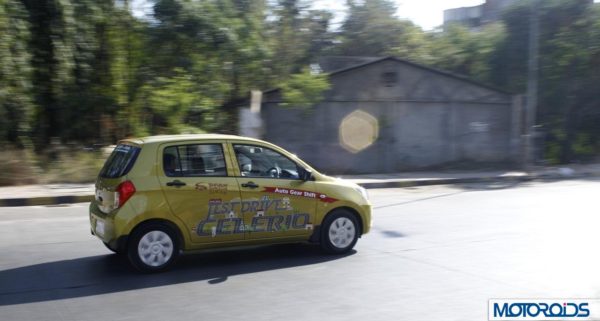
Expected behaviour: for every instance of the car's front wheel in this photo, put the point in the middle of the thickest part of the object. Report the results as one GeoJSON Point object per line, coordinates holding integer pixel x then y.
{"type": "Point", "coordinates": [153, 248]}
{"type": "Point", "coordinates": [112, 249]}
{"type": "Point", "coordinates": [340, 231]}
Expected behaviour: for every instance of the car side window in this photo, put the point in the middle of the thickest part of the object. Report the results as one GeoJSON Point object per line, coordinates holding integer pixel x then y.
{"type": "Point", "coordinates": [258, 161]}
{"type": "Point", "coordinates": [194, 160]}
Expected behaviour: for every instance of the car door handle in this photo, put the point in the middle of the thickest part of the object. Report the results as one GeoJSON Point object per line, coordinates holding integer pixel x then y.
{"type": "Point", "coordinates": [176, 183]}
{"type": "Point", "coordinates": [249, 185]}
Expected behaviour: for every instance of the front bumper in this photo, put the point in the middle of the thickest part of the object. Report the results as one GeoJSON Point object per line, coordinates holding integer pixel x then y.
{"type": "Point", "coordinates": [367, 218]}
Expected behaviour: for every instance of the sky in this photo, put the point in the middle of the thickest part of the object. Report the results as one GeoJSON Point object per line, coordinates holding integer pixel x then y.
{"type": "Point", "coordinates": [426, 13]}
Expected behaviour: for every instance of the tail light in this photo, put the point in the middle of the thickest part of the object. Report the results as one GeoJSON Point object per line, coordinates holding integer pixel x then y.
{"type": "Point", "coordinates": [123, 193]}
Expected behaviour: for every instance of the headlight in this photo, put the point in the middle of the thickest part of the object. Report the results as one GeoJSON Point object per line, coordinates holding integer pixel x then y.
{"type": "Point", "coordinates": [362, 192]}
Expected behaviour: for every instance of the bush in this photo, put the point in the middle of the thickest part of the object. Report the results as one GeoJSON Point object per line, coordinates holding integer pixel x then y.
{"type": "Point", "coordinates": [17, 167]}
{"type": "Point", "coordinates": [73, 167]}
{"type": "Point", "coordinates": [23, 166]}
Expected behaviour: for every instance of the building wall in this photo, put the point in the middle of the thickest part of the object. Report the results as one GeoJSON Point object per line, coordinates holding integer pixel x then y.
{"type": "Point", "coordinates": [426, 120]}
{"type": "Point", "coordinates": [476, 16]}
{"type": "Point", "coordinates": [470, 16]}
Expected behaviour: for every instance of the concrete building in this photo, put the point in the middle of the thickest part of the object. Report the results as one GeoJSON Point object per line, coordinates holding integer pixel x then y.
{"type": "Point", "coordinates": [477, 16]}
{"type": "Point", "coordinates": [388, 115]}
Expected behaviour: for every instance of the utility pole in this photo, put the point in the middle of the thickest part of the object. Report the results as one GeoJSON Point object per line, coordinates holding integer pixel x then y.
{"type": "Point", "coordinates": [532, 83]}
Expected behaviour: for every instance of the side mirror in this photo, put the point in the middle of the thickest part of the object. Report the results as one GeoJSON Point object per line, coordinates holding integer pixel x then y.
{"type": "Point", "coordinates": [304, 173]}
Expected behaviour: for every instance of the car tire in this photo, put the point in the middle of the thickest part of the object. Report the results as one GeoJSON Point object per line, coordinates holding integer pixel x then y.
{"type": "Point", "coordinates": [153, 247]}
{"type": "Point", "coordinates": [339, 232]}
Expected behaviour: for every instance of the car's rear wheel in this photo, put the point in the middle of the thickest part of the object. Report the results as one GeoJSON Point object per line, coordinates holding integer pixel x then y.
{"type": "Point", "coordinates": [153, 247]}
{"type": "Point", "coordinates": [339, 232]}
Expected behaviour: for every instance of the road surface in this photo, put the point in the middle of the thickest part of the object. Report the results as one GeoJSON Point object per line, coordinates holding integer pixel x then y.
{"type": "Point", "coordinates": [435, 253]}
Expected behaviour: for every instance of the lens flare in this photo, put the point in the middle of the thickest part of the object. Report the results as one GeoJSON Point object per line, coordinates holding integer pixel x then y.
{"type": "Point", "coordinates": [358, 131]}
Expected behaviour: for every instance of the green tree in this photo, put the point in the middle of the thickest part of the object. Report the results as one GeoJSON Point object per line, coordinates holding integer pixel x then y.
{"type": "Point", "coordinates": [569, 99]}
{"type": "Point", "coordinates": [126, 40]}
{"type": "Point", "coordinates": [416, 45]}
{"type": "Point", "coordinates": [372, 29]}
{"type": "Point", "coordinates": [214, 45]}
{"type": "Point", "coordinates": [16, 105]}
{"type": "Point", "coordinates": [71, 69]}
{"type": "Point", "coordinates": [304, 89]}
{"type": "Point", "coordinates": [568, 76]}
{"type": "Point", "coordinates": [466, 52]}
{"type": "Point", "coordinates": [297, 36]}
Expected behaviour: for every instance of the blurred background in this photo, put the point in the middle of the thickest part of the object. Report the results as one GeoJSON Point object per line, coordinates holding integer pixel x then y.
{"type": "Point", "coordinates": [414, 85]}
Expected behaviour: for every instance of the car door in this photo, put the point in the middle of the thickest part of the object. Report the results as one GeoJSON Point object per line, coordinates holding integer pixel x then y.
{"type": "Point", "coordinates": [275, 201]}
{"type": "Point", "coordinates": [196, 183]}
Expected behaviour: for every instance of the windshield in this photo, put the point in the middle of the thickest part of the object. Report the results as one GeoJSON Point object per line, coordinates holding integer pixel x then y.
{"type": "Point", "coordinates": [120, 161]}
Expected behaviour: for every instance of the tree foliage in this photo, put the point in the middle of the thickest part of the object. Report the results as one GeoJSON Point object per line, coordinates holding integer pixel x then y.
{"type": "Point", "coordinates": [15, 71]}
{"type": "Point", "coordinates": [88, 71]}
{"type": "Point", "coordinates": [304, 89]}
{"type": "Point", "coordinates": [372, 29]}
{"type": "Point", "coordinates": [569, 102]}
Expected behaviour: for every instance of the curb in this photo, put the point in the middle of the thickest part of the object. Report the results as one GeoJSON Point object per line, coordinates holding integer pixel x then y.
{"type": "Point", "coordinates": [53, 200]}
{"type": "Point", "coordinates": [471, 180]}
{"type": "Point", "coordinates": [69, 199]}
{"type": "Point", "coordinates": [446, 181]}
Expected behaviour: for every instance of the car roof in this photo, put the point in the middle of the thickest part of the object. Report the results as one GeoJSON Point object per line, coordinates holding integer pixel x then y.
{"type": "Point", "coordinates": [185, 137]}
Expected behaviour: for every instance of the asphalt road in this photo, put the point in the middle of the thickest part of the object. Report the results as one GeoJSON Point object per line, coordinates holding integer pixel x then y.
{"type": "Point", "coordinates": [435, 253]}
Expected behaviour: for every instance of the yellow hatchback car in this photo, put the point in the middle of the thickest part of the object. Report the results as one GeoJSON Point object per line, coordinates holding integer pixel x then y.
{"type": "Point", "coordinates": [159, 196]}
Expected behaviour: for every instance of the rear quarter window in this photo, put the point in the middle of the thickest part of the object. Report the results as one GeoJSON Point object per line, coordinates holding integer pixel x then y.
{"type": "Point", "coordinates": [194, 160]}
{"type": "Point", "coordinates": [120, 161]}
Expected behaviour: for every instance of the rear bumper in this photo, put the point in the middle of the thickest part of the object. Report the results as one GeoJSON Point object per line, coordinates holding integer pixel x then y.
{"type": "Point", "coordinates": [101, 224]}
